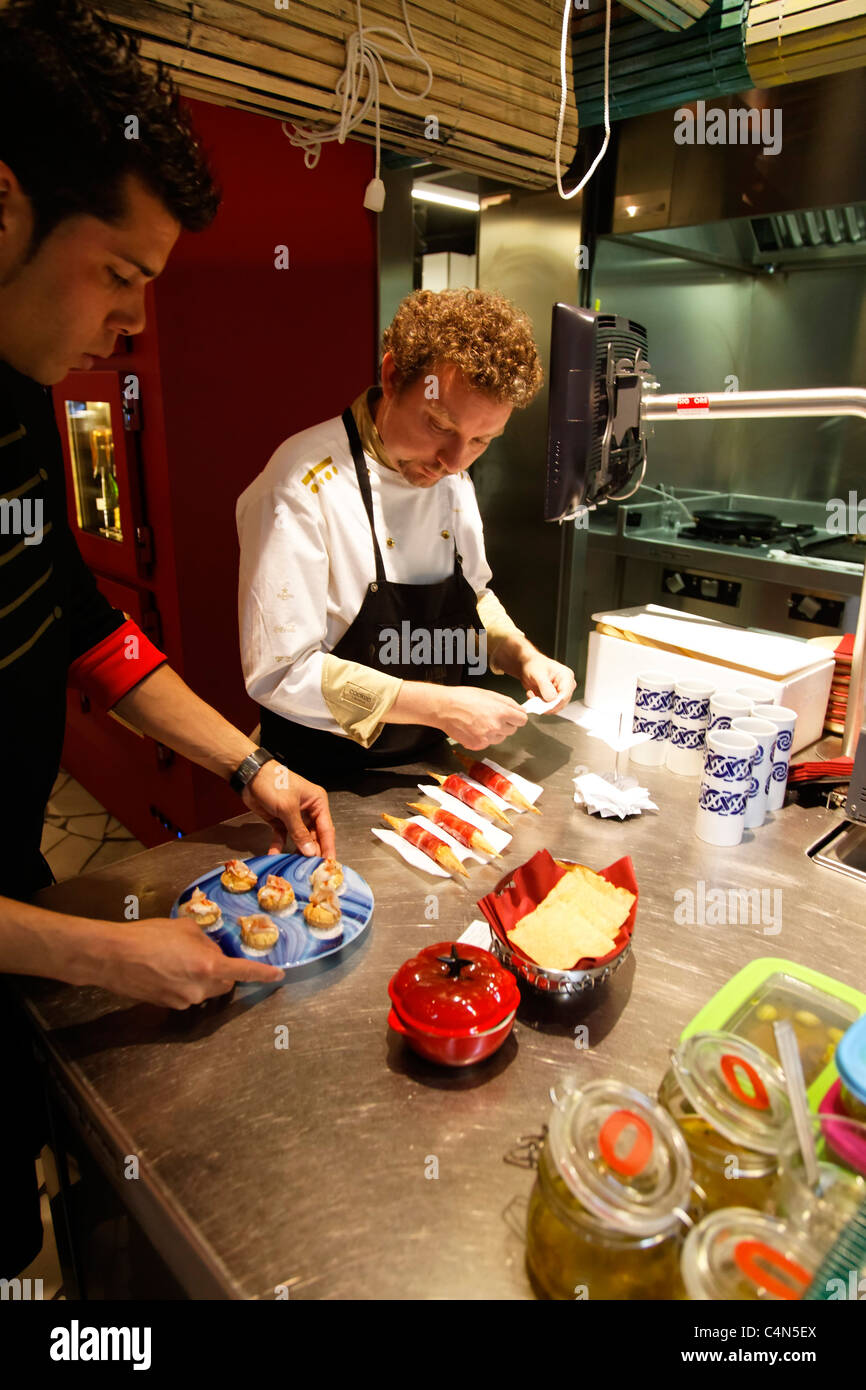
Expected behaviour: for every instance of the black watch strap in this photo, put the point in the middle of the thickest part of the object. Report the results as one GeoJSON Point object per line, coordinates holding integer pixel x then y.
{"type": "Point", "coordinates": [243, 775]}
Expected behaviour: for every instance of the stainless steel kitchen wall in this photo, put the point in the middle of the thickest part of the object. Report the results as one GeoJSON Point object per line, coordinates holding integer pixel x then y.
{"type": "Point", "coordinates": [707, 325]}
{"type": "Point", "coordinates": [527, 250]}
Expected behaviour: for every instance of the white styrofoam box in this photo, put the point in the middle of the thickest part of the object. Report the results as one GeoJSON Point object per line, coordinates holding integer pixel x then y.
{"type": "Point", "coordinates": [800, 678]}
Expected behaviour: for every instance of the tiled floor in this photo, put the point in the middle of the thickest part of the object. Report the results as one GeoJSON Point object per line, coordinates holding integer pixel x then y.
{"type": "Point", "coordinates": [78, 835]}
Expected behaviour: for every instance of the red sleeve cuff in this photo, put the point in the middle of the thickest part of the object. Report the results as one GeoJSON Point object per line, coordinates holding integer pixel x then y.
{"type": "Point", "coordinates": [109, 670]}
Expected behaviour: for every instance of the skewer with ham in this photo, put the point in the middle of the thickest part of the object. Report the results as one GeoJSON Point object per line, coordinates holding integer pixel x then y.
{"type": "Point", "coordinates": [489, 777]}
{"type": "Point", "coordinates": [458, 787]}
{"type": "Point", "coordinates": [427, 842]}
{"type": "Point", "coordinates": [461, 830]}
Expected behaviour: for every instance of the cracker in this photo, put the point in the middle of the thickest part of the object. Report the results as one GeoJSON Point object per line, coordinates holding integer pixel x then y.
{"type": "Point", "coordinates": [579, 918]}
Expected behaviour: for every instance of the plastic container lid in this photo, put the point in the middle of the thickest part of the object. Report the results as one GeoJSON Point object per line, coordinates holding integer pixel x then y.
{"type": "Point", "coordinates": [738, 1253]}
{"type": "Point", "coordinates": [453, 989]}
{"type": "Point", "coordinates": [622, 1157]}
{"type": "Point", "coordinates": [851, 1059]}
{"type": "Point", "coordinates": [736, 1088]}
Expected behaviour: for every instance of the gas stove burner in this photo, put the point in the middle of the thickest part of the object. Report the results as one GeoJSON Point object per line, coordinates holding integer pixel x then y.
{"type": "Point", "coordinates": [747, 529]}
{"type": "Point", "coordinates": [700, 533]}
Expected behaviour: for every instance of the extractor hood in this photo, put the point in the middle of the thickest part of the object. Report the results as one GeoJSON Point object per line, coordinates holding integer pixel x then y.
{"type": "Point", "coordinates": [803, 206]}
{"type": "Point", "coordinates": [806, 240]}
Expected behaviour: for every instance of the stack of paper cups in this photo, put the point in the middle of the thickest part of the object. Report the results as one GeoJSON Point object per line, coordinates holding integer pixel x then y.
{"type": "Point", "coordinates": [784, 720]}
{"type": "Point", "coordinates": [652, 714]}
{"type": "Point", "coordinates": [764, 734]}
{"type": "Point", "coordinates": [725, 706]}
{"type": "Point", "coordinates": [687, 741]}
{"type": "Point", "coordinates": [725, 786]}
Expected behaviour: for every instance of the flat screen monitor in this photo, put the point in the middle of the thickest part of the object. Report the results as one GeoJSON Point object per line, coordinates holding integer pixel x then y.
{"type": "Point", "coordinates": [595, 443]}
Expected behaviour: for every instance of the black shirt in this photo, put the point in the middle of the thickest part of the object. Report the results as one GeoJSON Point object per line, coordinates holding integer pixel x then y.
{"type": "Point", "coordinates": [50, 613]}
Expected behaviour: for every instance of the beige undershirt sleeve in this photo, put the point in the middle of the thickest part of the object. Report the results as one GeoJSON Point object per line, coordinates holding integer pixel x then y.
{"type": "Point", "coordinates": [497, 624]}
{"type": "Point", "coordinates": [358, 697]}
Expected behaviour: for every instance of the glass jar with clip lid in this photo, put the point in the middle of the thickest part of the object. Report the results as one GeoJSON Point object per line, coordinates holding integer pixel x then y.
{"type": "Point", "coordinates": [730, 1101]}
{"type": "Point", "coordinates": [609, 1209]}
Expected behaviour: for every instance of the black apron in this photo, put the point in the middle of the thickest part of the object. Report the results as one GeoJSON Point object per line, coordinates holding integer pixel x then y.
{"type": "Point", "coordinates": [447, 604]}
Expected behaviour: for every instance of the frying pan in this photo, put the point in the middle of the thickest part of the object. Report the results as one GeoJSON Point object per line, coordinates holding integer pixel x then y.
{"type": "Point", "coordinates": [758, 524]}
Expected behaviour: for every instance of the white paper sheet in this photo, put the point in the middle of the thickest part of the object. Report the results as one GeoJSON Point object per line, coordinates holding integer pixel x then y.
{"type": "Point", "coordinates": [530, 790]}
{"type": "Point", "coordinates": [477, 934]}
{"type": "Point", "coordinates": [535, 704]}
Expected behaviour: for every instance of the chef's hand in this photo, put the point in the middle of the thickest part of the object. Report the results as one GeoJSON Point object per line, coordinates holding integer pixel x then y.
{"type": "Point", "coordinates": [170, 962]}
{"type": "Point", "coordinates": [475, 717]}
{"type": "Point", "coordinates": [292, 807]}
{"type": "Point", "coordinates": [542, 676]}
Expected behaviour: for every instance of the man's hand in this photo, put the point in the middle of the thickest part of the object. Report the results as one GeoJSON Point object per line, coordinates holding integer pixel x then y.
{"type": "Point", "coordinates": [542, 676]}
{"type": "Point", "coordinates": [475, 717]}
{"type": "Point", "coordinates": [166, 961]}
{"type": "Point", "coordinates": [293, 807]}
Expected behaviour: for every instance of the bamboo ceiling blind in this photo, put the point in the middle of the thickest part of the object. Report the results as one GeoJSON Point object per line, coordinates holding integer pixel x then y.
{"type": "Point", "coordinates": [495, 91]}
{"type": "Point", "coordinates": [791, 40]}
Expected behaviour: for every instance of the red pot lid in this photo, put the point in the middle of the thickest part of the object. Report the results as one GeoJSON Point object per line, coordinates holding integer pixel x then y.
{"type": "Point", "coordinates": [453, 989]}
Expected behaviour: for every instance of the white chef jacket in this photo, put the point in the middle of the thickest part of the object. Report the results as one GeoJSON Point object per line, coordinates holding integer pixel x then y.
{"type": "Point", "coordinates": [307, 559]}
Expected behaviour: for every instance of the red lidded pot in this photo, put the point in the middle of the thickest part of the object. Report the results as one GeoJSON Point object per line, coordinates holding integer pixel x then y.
{"type": "Point", "coordinates": [454, 1003]}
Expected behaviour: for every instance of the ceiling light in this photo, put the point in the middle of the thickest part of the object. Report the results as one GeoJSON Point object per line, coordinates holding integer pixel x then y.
{"type": "Point", "coordinates": [448, 197]}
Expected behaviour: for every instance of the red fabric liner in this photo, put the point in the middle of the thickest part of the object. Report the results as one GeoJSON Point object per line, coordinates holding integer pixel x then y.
{"type": "Point", "coordinates": [531, 884]}
{"type": "Point", "coordinates": [109, 670]}
{"type": "Point", "coordinates": [846, 646]}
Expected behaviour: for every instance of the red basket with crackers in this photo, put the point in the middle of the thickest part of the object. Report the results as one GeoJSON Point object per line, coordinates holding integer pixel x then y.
{"type": "Point", "coordinates": [562, 926]}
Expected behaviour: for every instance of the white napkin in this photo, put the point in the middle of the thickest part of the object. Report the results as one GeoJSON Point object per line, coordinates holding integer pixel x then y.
{"type": "Point", "coordinates": [494, 836]}
{"type": "Point", "coordinates": [608, 797]}
{"type": "Point", "coordinates": [417, 857]}
{"type": "Point", "coordinates": [530, 790]}
{"type": "Point", "coordinates": [604, 724]}
{"type": "Point", "coordinates": [477, 934]}
{"type": "Point", "coordinates": [535, 704]}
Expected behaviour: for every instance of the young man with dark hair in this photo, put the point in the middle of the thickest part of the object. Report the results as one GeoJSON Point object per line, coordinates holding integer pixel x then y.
{"type": "Point", "coordinates": [87, 217]}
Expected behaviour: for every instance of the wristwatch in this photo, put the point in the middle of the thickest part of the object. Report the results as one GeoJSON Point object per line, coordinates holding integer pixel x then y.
{"type": "Point", "coordinates": [243, 775]}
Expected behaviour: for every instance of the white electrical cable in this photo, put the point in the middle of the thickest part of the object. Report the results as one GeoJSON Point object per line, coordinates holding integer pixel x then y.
{"type": "Point", "coordinates": [566, 15]}
{"type": "Point", "coordinates": [363, 59]}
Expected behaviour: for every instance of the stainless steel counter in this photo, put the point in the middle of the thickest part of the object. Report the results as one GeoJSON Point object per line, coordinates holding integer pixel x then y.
{"type": "Point", "coordinates": [313, 1166]}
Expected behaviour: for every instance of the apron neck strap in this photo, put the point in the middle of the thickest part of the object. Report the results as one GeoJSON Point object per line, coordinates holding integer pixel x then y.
{"type": "Point", "coordinates": [364, 484]}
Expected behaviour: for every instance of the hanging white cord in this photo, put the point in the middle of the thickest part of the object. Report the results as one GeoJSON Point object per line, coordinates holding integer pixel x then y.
{"type": "Point", "coordinates": [363, 59]}
{"type": "Point", "coordinates": [566, 16]}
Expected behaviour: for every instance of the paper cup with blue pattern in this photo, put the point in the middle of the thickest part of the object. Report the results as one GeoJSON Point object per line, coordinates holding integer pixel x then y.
{"type": "Point", "coordinates": [652, 715]}
{"type": "Point", "coordinates": [764, 733]}
{"type": "Point", "coordinates": [725, 784]}
{"type": "Point", "coordinates": [687, 740]}
{"type": "Point", "coordinates": [784, 720]}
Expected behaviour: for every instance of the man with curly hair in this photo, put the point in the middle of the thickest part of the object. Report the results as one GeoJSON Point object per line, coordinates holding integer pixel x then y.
{"type": "Point", "coordinates": [87, 218]}
{"type": "Point", "coordinates": [365, 606]}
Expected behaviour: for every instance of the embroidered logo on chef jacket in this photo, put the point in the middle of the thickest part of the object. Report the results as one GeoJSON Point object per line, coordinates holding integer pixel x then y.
{"type": "Point", "coordinates": [316, 475]}
{"type": "Point", "coordinates": [356, 695]}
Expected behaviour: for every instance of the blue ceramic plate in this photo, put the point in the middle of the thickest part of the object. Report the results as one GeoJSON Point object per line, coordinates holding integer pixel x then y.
{"type": "Point", "coordinates": [297, 944]}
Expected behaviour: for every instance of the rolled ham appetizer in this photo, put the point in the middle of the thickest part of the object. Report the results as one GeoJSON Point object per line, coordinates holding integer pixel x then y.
{"type": "Point", "coordinates": [489, 777]}
{"type": "Point", "coordinates": [468, 835]}
{"type": "Point", "coordinates": [427, 842]}
{"type": "Point", "coordinates": [458, 787]}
